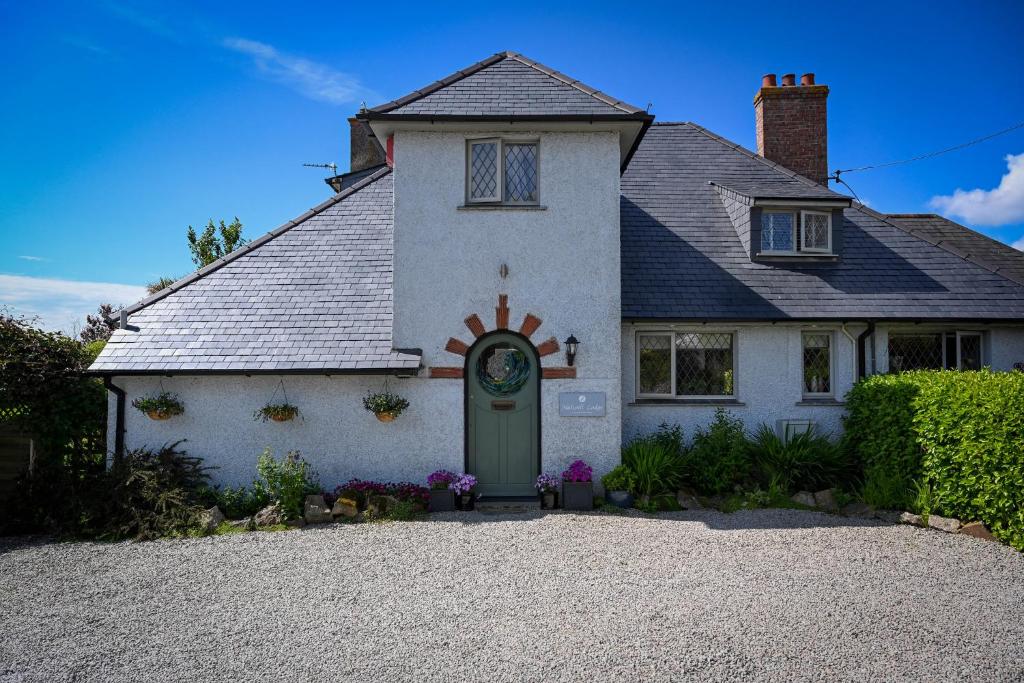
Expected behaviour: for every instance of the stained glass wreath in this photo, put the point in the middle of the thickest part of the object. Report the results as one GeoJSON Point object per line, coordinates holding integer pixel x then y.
{"type": "Point", "coordinates": [502, 371]}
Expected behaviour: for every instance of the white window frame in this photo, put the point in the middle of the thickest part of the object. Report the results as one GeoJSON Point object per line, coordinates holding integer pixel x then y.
{"type": "Point", "coordinates": [795, 218]}
{"type": "Point", "coordinates": [803, 232]}
{"type": "Point", "coordinates": [499, 162]}
{"type": "Point", "coordinates": [831, 364]}
{"type": "Point", "coordinates": [500, 199]}
{"type": "Point", "coordinates": [671, 334]}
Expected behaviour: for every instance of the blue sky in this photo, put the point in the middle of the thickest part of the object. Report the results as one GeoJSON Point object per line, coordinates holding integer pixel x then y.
{"type": "Point", "coordinates": [126, 122]}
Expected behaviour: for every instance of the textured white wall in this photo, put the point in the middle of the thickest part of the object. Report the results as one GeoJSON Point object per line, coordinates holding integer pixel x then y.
{"type": "Point", "coordinates": [768, 380]}
{"type": "Point", "coordinates": [563, 267]}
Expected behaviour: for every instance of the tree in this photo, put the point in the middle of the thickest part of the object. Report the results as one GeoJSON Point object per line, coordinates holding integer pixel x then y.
{"type": "Point", "coordinates": [98, 327]}
{"type": "Point", "coordinates": [162, 283]}
{"type": "Point", "coordinates": [207, 247]}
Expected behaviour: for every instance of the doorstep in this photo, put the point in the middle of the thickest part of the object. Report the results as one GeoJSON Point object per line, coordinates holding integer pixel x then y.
{"type": "Point", "coordinates": [494, 505]}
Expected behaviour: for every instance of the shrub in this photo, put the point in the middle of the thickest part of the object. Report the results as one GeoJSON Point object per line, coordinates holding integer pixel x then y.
{"type": "Point", "coordinates": [151, 494]}
{"type": "Point", "coordinates": [238, 502]}
{"type": "Point", "coordinates": [657, 467]}
{"type": "Point", "coordinates": [287, 481]}
{"type": "Point", "coordinates": [619, 479]}
{"type": "Point", "coordinates": [719, 458]}
{"type": "Point", "coordinates": [806, 461]}
{"type": "Point", "coordinates": [960, 434]}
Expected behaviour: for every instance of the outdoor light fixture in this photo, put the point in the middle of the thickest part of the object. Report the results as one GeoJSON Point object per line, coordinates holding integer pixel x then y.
{"type": "Point", "coordinates": [571, 344]}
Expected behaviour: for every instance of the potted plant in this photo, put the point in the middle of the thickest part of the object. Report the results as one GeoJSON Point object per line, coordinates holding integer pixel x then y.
{"type": "Point", "coordinates": [547, 486]}
{"type": "Point", "coordinates": [463, 487]}
{"type": "Point", "coordinates": [385, 405]}
{"type": "Point", "coordinates": [163, 406]}
{"type": "Point", "coordinates": [578, 486]}
{"type": "Point", "coordinates": [278, 412]}
{"type": "Point", "coordinates": [442, 496]}
{"type": "Point", "coordinates": [618, 486]}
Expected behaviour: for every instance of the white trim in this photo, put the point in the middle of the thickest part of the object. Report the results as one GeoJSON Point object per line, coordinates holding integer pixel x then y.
{"type": "Point", "coordinates": [803, 233]}
{"type": "Point", "coordinates": [830, 335]}
{"type": "Point", "coordinates": [838, 204]}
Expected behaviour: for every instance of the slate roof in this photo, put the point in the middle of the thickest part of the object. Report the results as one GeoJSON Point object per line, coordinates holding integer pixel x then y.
{"type": "Point", "coordinates": [315, 295]}
{"type": "Point", "coordinates": [507, 84]}
{"type": "Point", "coordinates": [973, 246]}
{"type": "Point", "coordinates": [683, 260]}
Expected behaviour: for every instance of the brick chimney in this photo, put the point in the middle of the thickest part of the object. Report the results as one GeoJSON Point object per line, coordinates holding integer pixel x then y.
{"type": "Point", "coordinates": [792, 125]}
{"type": "Point", "coordinates": [366, 151]}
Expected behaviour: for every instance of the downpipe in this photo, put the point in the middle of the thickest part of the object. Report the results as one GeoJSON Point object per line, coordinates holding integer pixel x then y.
{"type": "Point", "coordinates": [119, 429]}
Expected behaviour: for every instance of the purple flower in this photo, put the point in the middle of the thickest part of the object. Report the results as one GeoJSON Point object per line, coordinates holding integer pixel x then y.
{"type": "Point", "coordinates": [578, 471]}
{"type": "Point", "coordinates": [441, 479]}
{"type": "Point", "coordinates": [547, 483]}
{"type": "Point", "coordinates": [464, 483]}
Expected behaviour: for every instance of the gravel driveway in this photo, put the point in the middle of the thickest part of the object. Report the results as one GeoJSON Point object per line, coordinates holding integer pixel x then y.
{"type": "Point", "coordinates": [769, 595]}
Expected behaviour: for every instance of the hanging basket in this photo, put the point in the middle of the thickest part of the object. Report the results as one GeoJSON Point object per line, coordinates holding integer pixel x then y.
{"type": "Point", "coordinates": [163, 406]}
{"type": "Point", "coordinates": [277, 412]}
{"type": "Point", "coordinates": [384, 404]}
{"type": "Point", "coordinates": [386, 415]}
{"type": "Point", "coordinates": [156, 414]}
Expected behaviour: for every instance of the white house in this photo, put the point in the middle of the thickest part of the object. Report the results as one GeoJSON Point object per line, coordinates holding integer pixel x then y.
{"type": "Point", "coordinates": [507, 208]}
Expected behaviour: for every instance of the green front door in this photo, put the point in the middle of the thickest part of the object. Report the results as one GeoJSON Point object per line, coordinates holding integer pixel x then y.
{"type": "Point", "coordinates": [502, 415]}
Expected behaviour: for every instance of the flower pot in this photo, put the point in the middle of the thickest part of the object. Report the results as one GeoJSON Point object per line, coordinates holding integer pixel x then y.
{"type": "Point", "coordinates": [466, 501]}
{"type": "Point", "coordinates": [386, 416]}
{"type": "Point", "coordinates": [281, 418]}
{"type": "Point", "coordinates": [578, 495]}
{"type": "Point", "coordinates": [158, 415]}
{"type": "Point", "coordinates": [549, 500]}
{"type": "Point", "coordinates": [442, 500]}
{"type": "Point", "coordinates": [621, 499]}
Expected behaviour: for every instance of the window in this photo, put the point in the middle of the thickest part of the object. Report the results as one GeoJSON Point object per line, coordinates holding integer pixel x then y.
{"type": "Point", "coordinates": [500, 171]}
{"type": "Point", "coordinates": [686, 364]}
{"type": "Point", "coordinates": [817, 363]}
{"type": "Point", "coordinates": [780, 233]}
{"type": "Point", "coordinates": [935, 351]}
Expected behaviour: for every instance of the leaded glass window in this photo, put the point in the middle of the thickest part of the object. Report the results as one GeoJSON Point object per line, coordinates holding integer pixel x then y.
{"type": "Point", "coordinates": [704, 364]}
{"type": "Point", "coordinates": [655, 363]}
{"type": "Point", "coordinates": [970, 350]}
{"type": "Point", "coordinates": [777, 231]}
{"type": "Point", "coordinates": [817, 229]}
{"type": "Point", "coordinates": [817, 362]}
{"type": "Point", "coordinates": [915, 352]}
{"type": "Point", "coordinates": [484, 173]}
{"type": "Point", "coordinates": [520, 173]}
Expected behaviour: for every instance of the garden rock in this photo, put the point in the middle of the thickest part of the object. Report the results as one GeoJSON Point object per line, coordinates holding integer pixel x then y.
{"type": "Point", "coordinates": [210, 519]}
{"type": "Point", "coordinates": [316, 510]}
{"type": "Point", "coordinates": [271, 515]}
{"type": "Point", "coordinates": [825, 500]}
{"type": "Point", "coordinates": [890, 516]}
{"type": "Point", "coordinates": [345, 507]}
{"type": "Point", "coordinates": [978, 530]}
{"type": "Point", "coordinates": [804, 498]}
{"type": "Point", "coordinates": [244, 523]}
{"type": "Point", "coordinates": [688, 501]}
{"type": "Point", "coordinates": [910, 518]}
{"type": "Point", "coordinates": [379, 506]}
{"type": "Point", "coordinates": [858, 510]}
{"type": "Point", "coordinates": [947, 524]}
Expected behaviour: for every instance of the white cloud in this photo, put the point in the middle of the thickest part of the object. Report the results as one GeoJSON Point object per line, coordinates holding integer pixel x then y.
{"type": "Point", "coordinates": [62, 304]}
{"type": "Point", "coordinates": [1019, 244]}
{"type": "Point", "coordinates": [314, 80]}
{"type": "Point", "coordinates": [1000, 206]}
{"type": "Point", "coordinates": [33, 258]}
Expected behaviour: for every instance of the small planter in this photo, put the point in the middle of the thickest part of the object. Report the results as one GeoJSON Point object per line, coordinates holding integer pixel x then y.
{"type": "Point", "coordinates": [163, 406]}
{"type": "Point", "coordinates": [549, 500]}
{"type": "Point", "coordinates": [466, 501]}
{"type": "Point", "coordinates": [386, 416]}
{"type": "Point", "coordinates": [442, 500]}
{"type": "Point", "coordinates": [159, 415]}
{"type": "Point", "coordinates": [620, 499]}
{"type": "Point", "coordinates": [578, 495]}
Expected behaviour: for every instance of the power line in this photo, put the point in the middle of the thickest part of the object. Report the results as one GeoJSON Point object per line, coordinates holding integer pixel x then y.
{"type": "Point", "coordinates": [929, 155]}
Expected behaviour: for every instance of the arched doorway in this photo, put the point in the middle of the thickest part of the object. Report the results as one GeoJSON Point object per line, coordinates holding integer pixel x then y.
{"type": "Point", "coordinates": [502, 421]}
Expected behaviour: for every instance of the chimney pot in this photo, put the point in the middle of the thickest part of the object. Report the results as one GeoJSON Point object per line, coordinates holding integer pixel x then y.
{"type": "Point", "coordinates": [768, 81]}
{"type": "Point", "coordinates": [792, 126]}
{"type": "Point", "coordinates": [807, 79]}
{"type": "Point", "coordinates": [788, 80]}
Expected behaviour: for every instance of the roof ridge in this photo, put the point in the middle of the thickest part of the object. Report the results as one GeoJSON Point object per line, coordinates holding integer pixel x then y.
{"type": "Point", "coordinates": [494, 59]}
{"type": "Point", "coordinates": [179, 284]}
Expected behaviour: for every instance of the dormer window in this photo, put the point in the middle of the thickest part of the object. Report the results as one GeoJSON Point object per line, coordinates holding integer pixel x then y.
{"type": "Point", "coordinates": [501, 172]}
{"type": "Point", "coordinates": [796, 232]}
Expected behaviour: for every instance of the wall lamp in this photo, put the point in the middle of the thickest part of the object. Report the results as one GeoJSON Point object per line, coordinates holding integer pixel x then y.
{"type": "Point", "coordinates": [571, 344]}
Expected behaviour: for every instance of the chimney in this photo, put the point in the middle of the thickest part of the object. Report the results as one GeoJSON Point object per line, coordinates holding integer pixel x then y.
{"type": "Point", "coordinates": [366, 151]}
{"type": "Point", "coordinates": [792, 125]}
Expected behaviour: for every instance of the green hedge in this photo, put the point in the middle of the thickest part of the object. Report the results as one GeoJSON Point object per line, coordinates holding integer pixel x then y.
{"type": "Point", "coordinates": [959, 433]}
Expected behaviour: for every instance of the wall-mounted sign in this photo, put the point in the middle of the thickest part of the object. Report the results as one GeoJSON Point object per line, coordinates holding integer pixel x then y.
{"type": "Point", "coordinates": [581, 403]}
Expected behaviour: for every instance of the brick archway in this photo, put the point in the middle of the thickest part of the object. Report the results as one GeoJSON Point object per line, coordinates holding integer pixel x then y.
{"type": "Point", "coordinates": [501, 317]}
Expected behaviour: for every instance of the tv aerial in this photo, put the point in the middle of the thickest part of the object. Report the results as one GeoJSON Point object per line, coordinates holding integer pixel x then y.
{"type": "Point", "coordinates": [332, 166]}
